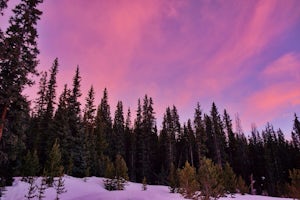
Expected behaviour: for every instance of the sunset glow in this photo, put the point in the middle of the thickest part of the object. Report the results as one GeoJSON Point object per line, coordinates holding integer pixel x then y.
{"type": "Point", "coordinates": [243, 55]}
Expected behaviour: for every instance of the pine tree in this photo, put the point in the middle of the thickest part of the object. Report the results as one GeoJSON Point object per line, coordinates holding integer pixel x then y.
{"type": "Point", "coordinates": [59, 187]}
{"type": "Point", "coordinates": [229, 179]}
{"type": "Point", "coordinates": [218, 136]}
{"type": "Point", "coordinates": [89, 135]}
{"type": "Point", "coordinates": [200, 135]}
{"type": "Point", "coordinates": [18, 54]}
{"type": "Point", "coordinates": [42, 188]}
{"type": "Point", "coordinates": [47, 134]}
{"type": "Point", "coordinates": [210, 179]}
{"type": "Point", "coordinates": [296, 133]}
{"type": "Point", "coordinates": [62, 129]}
{"type": "Point", "coordinates": [40, 102]}
{"type": "Point", "coordinates": [103, 131]}
{"type": "Point", "coordinates": [121, 174]}
{"type": "Point", "coordinates": [31, 164]}
{"type": "Point", "coordinates": [144, 184]}
{"type": "Point", "coordinates": [187, 181]}
{"type": "Point", "coordinates": [130, 147]}
{"type": "Point", "coordinates": [32, 189]}
{"type": "Point", "coordinates": [53, 164]}
{"type": "Point", "coordinates": [13, 145]}
{"type": "Point", "coordinates": [146, 138]}
{"type": "Point", "coordinates": [118, 131]}
{"type": "Point", "coordinates": [173, 179]}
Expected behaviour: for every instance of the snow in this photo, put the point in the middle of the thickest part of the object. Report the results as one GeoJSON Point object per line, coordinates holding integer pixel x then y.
{"type": "Point", "coordinates": [92, 188]}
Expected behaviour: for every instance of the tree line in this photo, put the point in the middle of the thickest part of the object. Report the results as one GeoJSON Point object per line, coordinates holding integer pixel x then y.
{"type": "Point", "coordinates": [91, 141]}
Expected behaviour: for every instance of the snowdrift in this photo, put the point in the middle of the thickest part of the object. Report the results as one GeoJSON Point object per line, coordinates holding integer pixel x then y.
{"type": "Point", "coordinates": [92, 188]}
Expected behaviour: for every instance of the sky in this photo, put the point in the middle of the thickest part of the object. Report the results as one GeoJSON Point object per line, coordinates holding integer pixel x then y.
{"type": "Point", "coordinates": [242, 55]}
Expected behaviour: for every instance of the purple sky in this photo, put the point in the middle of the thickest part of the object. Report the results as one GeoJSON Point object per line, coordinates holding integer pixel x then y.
{"type": "Point", "coordinates": [244, 55]}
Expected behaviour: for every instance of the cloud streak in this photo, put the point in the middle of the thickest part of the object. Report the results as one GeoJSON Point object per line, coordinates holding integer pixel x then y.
{"type": "Point", "coordinates": [179, 52]}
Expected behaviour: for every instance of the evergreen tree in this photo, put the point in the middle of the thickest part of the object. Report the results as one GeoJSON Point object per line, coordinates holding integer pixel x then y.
{"type": "Point", "coordinates": [59, 187]}
{"type": "Point", "coordinates": [62, 129]}
{"type": "Point", "coordinates": [18, 54]}
{"type": "Point", "coordinates": [47, 135]}
{"type": "Point", "coordinates": [218, 136]}
{"type": "Point", "coordinates": [40, 102]}
{"type": "Point", "coordinates": [42, 188]}
{"type": "Point", "coordinates": [231, 148]}
{"type": "Point", "coordinates": [144, 184]}
{"type": "Point", "coordinates": [130, 147]}
{"type": "Point", "coordinates": [173, 181]}
{"type": "Point", "coordinates": [200, 135]}
{"type": "Point", "coordinates": [187, 181]}
{"type": "Point", "coordinates": [30, 164]}
{"type": "Point", "coordinates": [103, 132]}
{"type": "Point", "coordinates": [229, 179]}
{"type": "Point", "coordinates": [89, 135]}
{"type": "Point", "coordinates": [210, 179]}
{"type": "Point", "coordinates": [53, 164]}
{"type": "Point", "coordinates": [170, 132]}
{"type": "Point", "coordinates": [146, 138]}
{"type": "Point", "coordinates": [185, 145]}
{"type": "Point", "coordinates": [118, 132]}
{"type": "Point", "coordinates": [13, 147]}
{"type": "Point", "coordinates": [296, 133]}
{"type": "Point", "coordinates": [32, 189]}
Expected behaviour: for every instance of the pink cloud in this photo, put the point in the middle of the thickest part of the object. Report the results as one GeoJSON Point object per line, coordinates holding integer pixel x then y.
{"type": "Point", "coordinates": [178, 52]}
{"type": "Point", "coordinates": [280, 93]}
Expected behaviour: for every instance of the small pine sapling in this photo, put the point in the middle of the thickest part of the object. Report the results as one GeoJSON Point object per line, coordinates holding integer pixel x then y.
{"type": "Point", "coordinates": [32, 189]}
{"type": "Point", "coordinates": [59, 185]}
{"type": "Point", "coordinates": [42, 188]}
{"type": "Point", "coordinates": [144, 184]}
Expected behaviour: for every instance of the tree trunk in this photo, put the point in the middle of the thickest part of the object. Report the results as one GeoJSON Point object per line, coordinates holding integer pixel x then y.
{"type": "Point", "coordinates": [3, 117]}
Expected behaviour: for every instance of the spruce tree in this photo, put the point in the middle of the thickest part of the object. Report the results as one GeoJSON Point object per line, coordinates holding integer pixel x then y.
{"type": "Point", "coordinates": [218, 136]}
{"type": "Point", "coordinates": [18, 54]}
{"type": "Point", "coordinates": [118, 131]}
{"type": "Point", "coordinates": [146, 138]}
{"type": "Point", "coordinates": [62, 129]}
{"type": "Point", "coordinates": [89, 135]}
{"type": "Point", "coordinates": [296, 133]}
{"type": "Point", "coordinates": [47, 134]}
{"type": "Point", "coordinates": [200, 135]}
{"type": "Point", "coordinates": [130, 147]}
{"type": "Point", "coordinates": [103, 132]}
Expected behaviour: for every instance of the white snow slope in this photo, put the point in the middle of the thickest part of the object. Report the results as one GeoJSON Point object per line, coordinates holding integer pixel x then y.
{"type": "Point", "coordinates": [92, 188]}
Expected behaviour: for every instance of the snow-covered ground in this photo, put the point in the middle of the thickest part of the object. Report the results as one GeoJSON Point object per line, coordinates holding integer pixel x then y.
{"type": "Point", "coordinates": [92, 188]}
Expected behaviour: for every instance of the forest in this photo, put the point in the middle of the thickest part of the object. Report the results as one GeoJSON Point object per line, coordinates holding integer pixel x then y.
{"type": "Point", "coordinates": [91, 142]}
